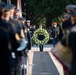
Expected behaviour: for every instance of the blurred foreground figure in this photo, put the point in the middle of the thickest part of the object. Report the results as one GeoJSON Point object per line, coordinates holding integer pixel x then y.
{"type": "Point", "coordinates": [66, 48]}
{"type": "Point", "coordinates": [7, 39]}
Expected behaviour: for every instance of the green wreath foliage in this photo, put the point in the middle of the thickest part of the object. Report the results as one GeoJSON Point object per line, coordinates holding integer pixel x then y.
{"type": "Point", "coordinates": [41, 32]}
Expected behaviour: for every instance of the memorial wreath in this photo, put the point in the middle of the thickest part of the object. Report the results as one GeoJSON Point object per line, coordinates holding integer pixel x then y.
{"type": "Point", "coordinates": [40, 32]}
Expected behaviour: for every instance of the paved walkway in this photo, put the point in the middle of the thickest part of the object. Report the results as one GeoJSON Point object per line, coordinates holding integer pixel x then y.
{"type": "Point", "coordinates": [43, 63]}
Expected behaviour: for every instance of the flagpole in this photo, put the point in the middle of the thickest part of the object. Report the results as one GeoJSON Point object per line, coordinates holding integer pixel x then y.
{"type": "Point", "coordinates": [17, 3]}
{"type": "Point", "coordinates": [19, 7]}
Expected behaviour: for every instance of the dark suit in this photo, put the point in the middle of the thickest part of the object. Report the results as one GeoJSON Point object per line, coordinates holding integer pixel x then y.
{"type": "Point", "coordinates": [41, 38]}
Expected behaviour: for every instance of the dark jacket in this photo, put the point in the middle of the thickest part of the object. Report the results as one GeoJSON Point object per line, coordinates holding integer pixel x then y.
{"type": "Point", "coordinates": [6, 36]}
{"type": "Point", "coordinates": [54, 31]}
{"type": "Point", "coordinates": [67, 25]}
{"type": "Point", "coordinates": [41, 37]}
{"type": "Point", "coordinates": [72, 45]}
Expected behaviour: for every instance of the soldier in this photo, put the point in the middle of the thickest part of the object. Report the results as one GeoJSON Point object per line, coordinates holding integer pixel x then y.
{"type": "Point", "coordinates": [71, 38]}
{"type": "Point", "coordinates": [33, 28]}
{"type": "Point", "coordinates": [7, 40]}
{"type": "Point", "coordinates": [16, 13]}
{"type": "Point", "coordinates": [22, 20]}
{"type": "Point", "coordinates": [17, 31]}
{"type": "Point", "coordinates": [4, 39]}
{"type": "Point", "coordinates": [28, 35]}
{"type": "Point", "coordinates": [67, 24]}
{"type": "Point", "coordinates": [18, 28]}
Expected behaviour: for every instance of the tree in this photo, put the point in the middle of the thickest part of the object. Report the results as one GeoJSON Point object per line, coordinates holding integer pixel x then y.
{"type": "Point", "coordinates": [35, 10]}
{"type": "Point", "coordinates": [49, 9]}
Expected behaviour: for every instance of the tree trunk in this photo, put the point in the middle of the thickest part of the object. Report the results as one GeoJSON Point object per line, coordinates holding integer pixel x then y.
{"type": "Point", "coordinates": [48, 20]}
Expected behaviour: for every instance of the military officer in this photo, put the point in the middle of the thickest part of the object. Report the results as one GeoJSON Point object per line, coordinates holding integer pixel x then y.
{"type": "Point", "coordinates": [20, 34]}
{"type": "Point", "coordinates": [71, 39]}
{"type": "Point", "coordinates": [7, 40]}
{"type": "Point", "coordinates": [4, 39]}
{"type": "Point", "coordinates": [67, 24]}
{"type": "Point", "coordinates": [28, 35]}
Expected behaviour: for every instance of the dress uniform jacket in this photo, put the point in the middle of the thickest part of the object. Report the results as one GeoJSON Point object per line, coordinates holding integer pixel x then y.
{"type": "Point", "coordinates": [72, 45]}
{"type": "Point", "coordinates": [28, 37]}
{"type": "Point", "coordinates": [12, 33]}
{"type": "Point", "coordinates": [14, 26]}
{"type": "Point", "coordinates": [14, 61]}
{"type": "Point", "coordinates": [29, 40]}
{"type": "Point", "coordinates": [7, 36]}
{"type": "Point", "coordinates": [67, 25]}
{"type": "Point", "coordinates": [24, 30]}
{"type": "Point", "coordinates": [4, 52]}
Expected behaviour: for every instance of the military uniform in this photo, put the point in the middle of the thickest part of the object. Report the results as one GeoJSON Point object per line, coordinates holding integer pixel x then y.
{"type": "Point", "coordinates": [67, 25]}
{"type": "Point", "coordinates": [5, 50]}
{"type": "Point", "coordinates": [7, 40]}
{"type": "Point", "coordinates": [27, 34]}
{"type": "Point", "coordinates": [71, 37]}
{"type": "Point", "coordinates": [24, 28]}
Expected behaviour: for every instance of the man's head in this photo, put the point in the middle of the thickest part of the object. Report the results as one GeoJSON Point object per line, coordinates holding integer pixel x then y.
{"type": "Point", "coordinates": [6, 15]}
{"type": "Point", "coordinates": [16, 13]}
{"type": "Point", "coordinates": [55, 24]}
{"type": "Point", "coordinates": [2, 5]}
{"type": "Point", "coordinates": [71, 9]}
{"type": "Point", "coordinates": [7, 11]}
{"type": "Point", "coordinates": [28, 22]}
{"type": "Point", "coordinates": [40, 26]}
{"type": "Point", "coordinates": [22, 19]}
{"type": "Point", "coordinates": [65, 17]}
{"type": "Point", "coordinates": [34, 26]}
{"type": "Point", "coordinates": [10, 7]}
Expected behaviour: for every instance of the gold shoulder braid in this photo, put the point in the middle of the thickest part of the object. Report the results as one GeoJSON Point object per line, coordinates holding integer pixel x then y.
{"type": "Point", "coordinates": [22, 34]}
{"type": "Point", "coordinates": [17, 37]}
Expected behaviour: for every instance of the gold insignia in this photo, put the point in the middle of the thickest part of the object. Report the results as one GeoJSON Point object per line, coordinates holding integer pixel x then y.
{"type": "Point", "coordinates": [17, 37]}
{"type": "Point", "coordinates": [22, 34]}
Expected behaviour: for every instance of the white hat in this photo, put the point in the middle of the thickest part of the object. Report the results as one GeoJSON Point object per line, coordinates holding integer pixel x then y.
{"type": "Point", "coordinates": [28, 20]}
